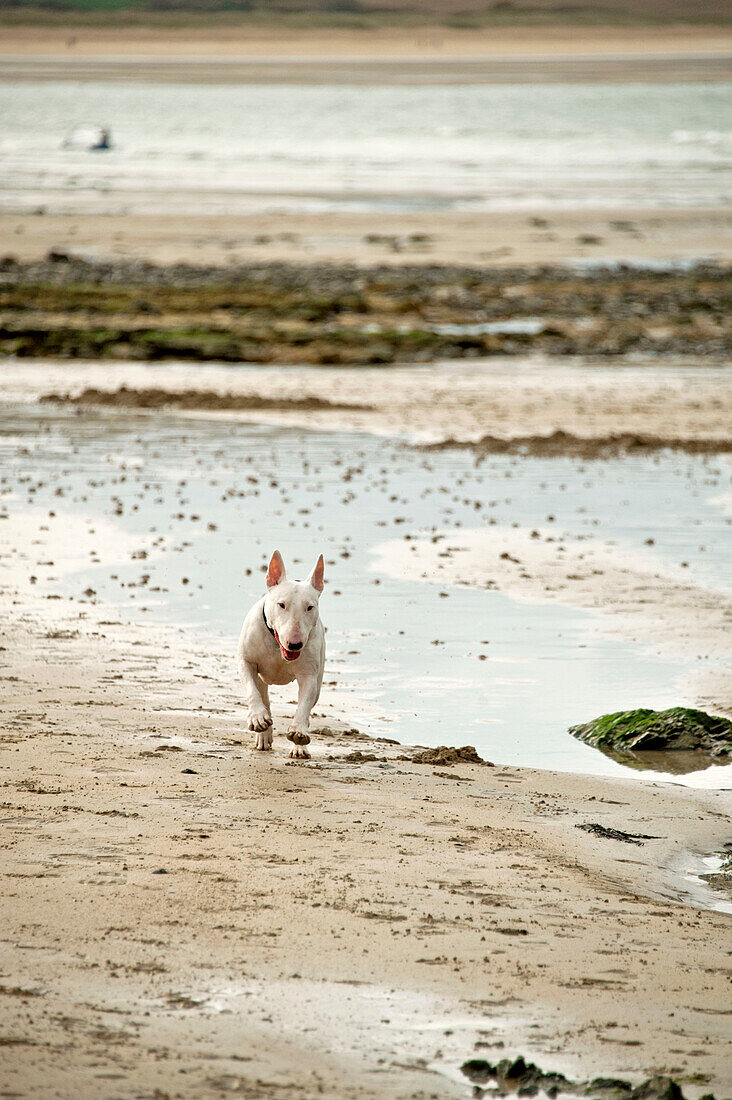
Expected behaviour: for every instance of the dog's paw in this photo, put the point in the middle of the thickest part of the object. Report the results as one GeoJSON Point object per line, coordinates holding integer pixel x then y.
{"type": "Point", "coordinates": [300, 753]}
{"type": "Point", "coordinates": [259, 719]}
{"type": "Point", "coordinates": [298, 736]}
{"type": "Point", "coordinates": [263, 740]}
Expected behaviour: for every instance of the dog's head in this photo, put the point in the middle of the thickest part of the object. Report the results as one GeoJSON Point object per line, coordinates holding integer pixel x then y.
{"type": "Point", "coordinates": [291, 607]}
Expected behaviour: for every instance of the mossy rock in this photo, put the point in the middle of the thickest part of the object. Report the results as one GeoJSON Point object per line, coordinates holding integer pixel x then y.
{"type": "Point", "coordinates": [677, 729]}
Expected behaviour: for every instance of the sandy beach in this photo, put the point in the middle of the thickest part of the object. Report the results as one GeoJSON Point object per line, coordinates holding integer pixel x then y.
{"type": "Point", "coordinates": [182, 913]}
{"type": "Point", "coordinates": [234, 38]}
{"type": "Point", "coordinates": [183, 916]}
{"type": "Point", "coordinates": [525, 406]}
{"type": "Point", "coordinates": [489, 239]}
{"type": "Point", "coordinates": [427, 53]}
{"type": "Point", "coordinates": [251, 52]}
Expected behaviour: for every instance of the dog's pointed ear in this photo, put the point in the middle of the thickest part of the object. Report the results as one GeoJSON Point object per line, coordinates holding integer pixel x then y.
{"type": "Point", "coordinates": [275, 570]}
{"type": "Point", "coordinates": [316, 577]}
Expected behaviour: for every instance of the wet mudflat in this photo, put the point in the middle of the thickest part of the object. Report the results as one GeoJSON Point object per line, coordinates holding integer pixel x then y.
{"type": "Point", "coordinates": [171, 520]}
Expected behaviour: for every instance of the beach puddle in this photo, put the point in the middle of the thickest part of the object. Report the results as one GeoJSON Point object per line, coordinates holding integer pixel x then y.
{"type": "Point", "coordinates": [705, 880]}
{"type": "Point", "coordinates": [171, 519]}
{"type": "Point", "coordinates": [428, 1034]}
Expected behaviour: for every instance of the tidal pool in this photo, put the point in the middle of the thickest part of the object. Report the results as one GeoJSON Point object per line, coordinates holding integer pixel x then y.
{"type": "Point", "coordinates": [183, 514]}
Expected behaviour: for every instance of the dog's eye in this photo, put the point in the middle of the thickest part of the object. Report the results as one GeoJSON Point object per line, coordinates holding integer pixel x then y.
{"type": "Point", "coordinates": [281, 605]}
{"type": "Point", "coordinates": [310, 607]}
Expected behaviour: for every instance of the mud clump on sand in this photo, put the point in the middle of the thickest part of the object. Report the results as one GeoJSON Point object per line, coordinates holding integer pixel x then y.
{"type": "Point", "coordinates": [446, 756]}
{"type": "Point", "coordinates": [194, 400]}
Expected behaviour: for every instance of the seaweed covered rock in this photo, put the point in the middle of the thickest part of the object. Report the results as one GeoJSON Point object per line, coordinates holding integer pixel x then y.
{"type": "Point", "coordinates": [677, 729]}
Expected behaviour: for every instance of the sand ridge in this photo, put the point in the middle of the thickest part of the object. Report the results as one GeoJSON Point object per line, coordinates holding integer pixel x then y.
{"type": "Point", "coordinates": [442, 404]}
{"type": "Point", "coordinates": [492, 238]}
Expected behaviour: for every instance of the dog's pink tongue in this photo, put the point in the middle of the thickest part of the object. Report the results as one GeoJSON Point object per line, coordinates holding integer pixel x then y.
{"type": "Point", "coordinates": [285, 652]}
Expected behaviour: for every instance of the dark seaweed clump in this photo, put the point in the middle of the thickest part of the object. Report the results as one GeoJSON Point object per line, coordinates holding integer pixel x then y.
{"type": "Point", "coordinates": [516, 1077]}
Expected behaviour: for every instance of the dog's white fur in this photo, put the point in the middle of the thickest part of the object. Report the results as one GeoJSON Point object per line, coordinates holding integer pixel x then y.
{"type": "Point", "coordinates": [295, 652]}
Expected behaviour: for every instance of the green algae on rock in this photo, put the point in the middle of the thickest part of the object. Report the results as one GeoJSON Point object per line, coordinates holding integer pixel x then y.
{"type": "Point", "coordinates": [673, 730]}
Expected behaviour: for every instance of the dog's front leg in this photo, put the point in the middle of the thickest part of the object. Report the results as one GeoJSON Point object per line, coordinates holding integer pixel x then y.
{"type": "Point", "coordinates": [307, 697]}
{"type": "Point", "coordinates": [260, 719]}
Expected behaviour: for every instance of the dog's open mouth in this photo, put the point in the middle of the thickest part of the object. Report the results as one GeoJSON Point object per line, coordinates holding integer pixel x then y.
{"type": "Point", "coordinates": [288, 654]}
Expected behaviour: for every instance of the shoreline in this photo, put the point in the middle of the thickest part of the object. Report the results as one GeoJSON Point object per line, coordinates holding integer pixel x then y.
{"type": "Point", "coordinates": [674, 616]}
{"type": "Point", "coordinates": [185, 916]}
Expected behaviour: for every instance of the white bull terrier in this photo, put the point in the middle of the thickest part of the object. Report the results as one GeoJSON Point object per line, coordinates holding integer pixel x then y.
{"type": "Point", "coordinates": [283, 640]}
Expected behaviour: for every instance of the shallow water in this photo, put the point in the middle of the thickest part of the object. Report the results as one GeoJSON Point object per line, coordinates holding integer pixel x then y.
{"type": "Point", "coordinates": [235, 148]}
{"type": "Point", "coordinates": [690, 871]}
{"type": "Point", "coordinates": [406, 660]}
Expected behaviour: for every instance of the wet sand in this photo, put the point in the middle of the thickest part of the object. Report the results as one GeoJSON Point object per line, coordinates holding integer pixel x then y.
{"type": "Point", "coordinates": [350, 71]}
{"type": "Point", "coordinates": [483, 239]}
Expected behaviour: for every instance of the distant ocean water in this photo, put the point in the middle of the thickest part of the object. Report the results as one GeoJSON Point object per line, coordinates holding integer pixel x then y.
{"type": "Point", "coordinates": [236, 148]}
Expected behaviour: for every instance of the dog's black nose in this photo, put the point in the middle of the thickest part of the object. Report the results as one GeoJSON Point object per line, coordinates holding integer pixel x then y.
{"type": "Point", "coordinates": [294, 646]}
